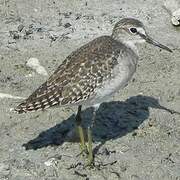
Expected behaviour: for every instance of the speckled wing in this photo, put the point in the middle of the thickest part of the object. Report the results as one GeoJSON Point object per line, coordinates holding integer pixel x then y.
{"type": "Point", "coordinates": [77, 78]}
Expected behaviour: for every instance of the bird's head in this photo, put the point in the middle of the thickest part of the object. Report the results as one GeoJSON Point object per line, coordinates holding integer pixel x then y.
{"type": "Point", "coordinates": [129, 30]}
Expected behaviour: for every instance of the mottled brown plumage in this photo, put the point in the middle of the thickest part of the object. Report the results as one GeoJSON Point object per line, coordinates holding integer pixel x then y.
{"type": "Point", "coordinates": [78, 77]}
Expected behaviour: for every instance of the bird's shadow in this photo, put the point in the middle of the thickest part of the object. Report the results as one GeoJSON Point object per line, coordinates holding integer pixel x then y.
{"type": "Point", "coordinates": [113, 120]}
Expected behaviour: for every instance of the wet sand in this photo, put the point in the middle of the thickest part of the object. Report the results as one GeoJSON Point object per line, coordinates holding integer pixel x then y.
{"type": "Point", "coordinates": [134, 137]}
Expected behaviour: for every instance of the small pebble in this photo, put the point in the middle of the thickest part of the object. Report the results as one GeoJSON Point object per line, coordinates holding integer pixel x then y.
{"type": "Point", "coordinates": [176, 18]}
{"type": "Point", "coordinates": [173, 7]}
{"type": "Point", "coordinates": [20, 27]}
{"type": "Point", "coordinates": [67, 25]}
{"type": "Point", "coordinates": [14, 34]}
{"type": "Point", "coordinates": [35, 65]}
{"type": "Point", "coordinates": [29, 31]}
{"type": "Point", "coordinates": [51, 162]}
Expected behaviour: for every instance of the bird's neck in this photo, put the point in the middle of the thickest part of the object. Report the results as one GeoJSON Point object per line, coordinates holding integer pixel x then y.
{"type": "Point", "coordinates": [131, 45]}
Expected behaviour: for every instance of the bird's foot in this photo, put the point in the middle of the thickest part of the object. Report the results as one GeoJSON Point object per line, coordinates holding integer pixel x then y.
{"type": "Point", "coordinates": [90, 162]}
{"type": "Point", "coordinates": [87, 154]}
{"type": "Point", "coordinates": [84, 150]}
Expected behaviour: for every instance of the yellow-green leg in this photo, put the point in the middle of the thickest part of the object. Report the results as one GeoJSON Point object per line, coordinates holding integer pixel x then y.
{"type": "Point", "coordinates": [90, 149]}
{"type": "Point", "coordinates": [81, 136]}
{"type": "Point", "coordinates": [83, 146]}
{"type": "Point", "coordinates": [80, 130]}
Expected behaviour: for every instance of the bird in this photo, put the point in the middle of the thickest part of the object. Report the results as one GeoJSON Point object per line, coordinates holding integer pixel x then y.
{"type": "Point", "coordinates": [92, 74]}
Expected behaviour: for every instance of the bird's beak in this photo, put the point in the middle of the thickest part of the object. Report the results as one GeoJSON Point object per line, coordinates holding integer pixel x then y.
{"type": "Point", "coordinates": [154, 42]}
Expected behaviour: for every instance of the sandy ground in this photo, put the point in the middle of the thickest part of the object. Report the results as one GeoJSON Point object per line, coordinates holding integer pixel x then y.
{"type": "Point", "coordinates": [134, 137]}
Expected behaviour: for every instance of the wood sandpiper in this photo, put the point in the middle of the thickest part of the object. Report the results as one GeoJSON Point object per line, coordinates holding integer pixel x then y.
{"type": "Point", "coordinates": [92, 74]}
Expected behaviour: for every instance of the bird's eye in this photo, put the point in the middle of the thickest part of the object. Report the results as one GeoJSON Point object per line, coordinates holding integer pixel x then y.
{"type": "Point", "coordinates": [133, 30]}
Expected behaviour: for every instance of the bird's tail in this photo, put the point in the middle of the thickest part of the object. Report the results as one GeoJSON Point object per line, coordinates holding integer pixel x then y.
{"type": "Point", "coordinates": [25, 107]}
{"type": "Point", "coordinates": [36, 104]}
{"type": "Point", "coordinates": [45, 96]}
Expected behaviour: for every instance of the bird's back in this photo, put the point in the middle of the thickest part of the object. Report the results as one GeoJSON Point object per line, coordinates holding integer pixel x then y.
{"type": "Point", "coordinates": [80, 75]}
